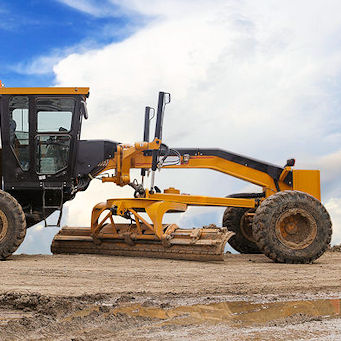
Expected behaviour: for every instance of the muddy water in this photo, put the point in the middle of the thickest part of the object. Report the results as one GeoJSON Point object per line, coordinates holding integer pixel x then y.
{"type": "Point", "coordinates": [35, 317]}
{"type": "Point", "coordinates": [232, 313]}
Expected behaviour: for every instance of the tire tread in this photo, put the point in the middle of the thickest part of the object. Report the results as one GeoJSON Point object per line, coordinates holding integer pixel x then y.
{"type": "Point", "coordinates": [269, 205]}
{"type": "Point", "coordinates": [19, 225]}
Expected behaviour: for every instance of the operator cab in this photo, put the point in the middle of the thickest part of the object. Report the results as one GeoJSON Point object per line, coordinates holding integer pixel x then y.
{"type": "Point", "coordinates": [39, 129]}
{"type": "Point", "coordinates": [44, 162]}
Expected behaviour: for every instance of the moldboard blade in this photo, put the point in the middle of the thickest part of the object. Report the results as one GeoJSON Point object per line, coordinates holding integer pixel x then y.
{"type": "Point", "coordinates": [184, 244]}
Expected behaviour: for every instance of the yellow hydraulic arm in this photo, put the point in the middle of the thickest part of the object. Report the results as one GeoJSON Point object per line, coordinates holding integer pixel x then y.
{"type": "Point", "coordinates": [128, 157]}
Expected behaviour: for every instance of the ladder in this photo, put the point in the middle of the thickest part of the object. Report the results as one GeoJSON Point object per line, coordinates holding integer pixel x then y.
{"type": "Point", "coordinates": [47, 195]}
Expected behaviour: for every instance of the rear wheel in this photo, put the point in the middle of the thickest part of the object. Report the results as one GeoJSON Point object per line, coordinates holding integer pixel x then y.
{"type": "Point", "coordinates": [12, 225]}
{"type": "Point", "coordinates": [292, 227]}
{"type": "Point", "coordinates": [237, 221]}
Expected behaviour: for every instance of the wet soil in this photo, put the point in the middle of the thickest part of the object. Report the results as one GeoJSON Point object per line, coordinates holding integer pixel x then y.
{"type": "Point", "coordinates": [246, 297]}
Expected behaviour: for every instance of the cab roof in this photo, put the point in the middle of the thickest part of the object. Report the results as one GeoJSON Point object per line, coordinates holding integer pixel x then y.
{"type": "Point", "coordinates": [44, 91]}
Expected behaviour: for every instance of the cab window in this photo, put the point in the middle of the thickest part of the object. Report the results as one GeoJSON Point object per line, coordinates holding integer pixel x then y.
{"type": "Point", "coordinates": [19, 129]}
{"type": "Point", "coordinates": [52, 153]}
{"type": "Point", "coordinates": [54, 120]}
{"type": "Point", "coordinates": [54, 114]}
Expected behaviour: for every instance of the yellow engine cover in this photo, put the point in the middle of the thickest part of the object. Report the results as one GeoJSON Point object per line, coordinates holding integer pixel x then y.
{"type": "Point", "coordinates": [307, 181]}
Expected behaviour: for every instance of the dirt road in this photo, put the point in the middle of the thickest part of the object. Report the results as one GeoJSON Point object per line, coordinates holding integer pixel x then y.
{"type": "Point", "coordinates": [247, 297]}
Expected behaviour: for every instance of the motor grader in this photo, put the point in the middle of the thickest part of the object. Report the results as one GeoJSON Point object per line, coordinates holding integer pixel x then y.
{"type": "Point", "coordinates": [44, 164]}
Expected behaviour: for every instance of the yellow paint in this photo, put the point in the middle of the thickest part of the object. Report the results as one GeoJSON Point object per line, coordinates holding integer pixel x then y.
{"type": "Point", "coordinates": [154, 208]}
{"type": "Point", "coordinates": [198, 200]}
{"type": "Point", "coordinates": [231, 168]}
{"type": "Point", "coordinates": [128, 157]}
{"type": "Point", "coordinates": [157, 210]}
{"type": "Point", "coordinates": [44, 91]}
{"type": "Point", "coordinates": [307, 181]}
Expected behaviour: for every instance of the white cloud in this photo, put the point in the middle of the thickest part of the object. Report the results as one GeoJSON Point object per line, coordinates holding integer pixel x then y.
{"type": "Point", "coordinates": [258, 78]}
{"type": "Point", "coordinates": [224, 62]}
{"type": "Point", "coordinates": [38, 240]}
{"type": "Point", "coordinates": [40, 65]}
{"type": "Point", "coordinates": [330, 165]}
{"type": "Point", "coordinates": [333, 206]}
{"type": "Point", "coordinates": [38, 227]}
{"type": "Point", "coordinates": [93, 8]}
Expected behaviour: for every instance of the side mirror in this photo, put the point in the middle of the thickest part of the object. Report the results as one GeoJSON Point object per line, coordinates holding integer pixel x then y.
{"type": "Point", "coordinates": [85, 110]}
{"type": "Point", "coordinates": [290, 163]}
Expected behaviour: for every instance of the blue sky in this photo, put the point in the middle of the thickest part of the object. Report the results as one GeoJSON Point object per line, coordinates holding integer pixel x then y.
{"type": "Point", "coordinates": [30, 29]}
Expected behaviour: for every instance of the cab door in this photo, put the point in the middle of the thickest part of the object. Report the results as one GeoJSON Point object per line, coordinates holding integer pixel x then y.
{"type": "Point", "coordinates": [16, 150]}
{"type": "Point", "coordinates": [54, 136]}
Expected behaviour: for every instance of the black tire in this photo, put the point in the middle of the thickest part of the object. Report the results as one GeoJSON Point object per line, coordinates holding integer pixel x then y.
{"type": "Point", "coordinates": [292, 227]}
{"type": "Point", "coordinates": [12, 225]}
{"type": "Point", "coordinates": [243, 240]}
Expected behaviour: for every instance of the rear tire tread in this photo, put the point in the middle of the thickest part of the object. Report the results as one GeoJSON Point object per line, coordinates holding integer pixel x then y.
{"type": "Point", "coordinates": [261, 233]}
{"type": "Point", "coordinates": [19, 225]}
{"type": "Point", "coordinates": [231, 220]}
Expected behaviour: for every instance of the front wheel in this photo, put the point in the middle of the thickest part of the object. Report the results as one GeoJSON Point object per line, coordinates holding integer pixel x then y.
{"type": "Point", "coordinates": [12, 225]}
{"type": "Point", "coordinates": [292, 227]}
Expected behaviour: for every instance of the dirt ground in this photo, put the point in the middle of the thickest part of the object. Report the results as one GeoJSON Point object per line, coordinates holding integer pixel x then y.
{"type": "Point", "coordinates": [246, 297]}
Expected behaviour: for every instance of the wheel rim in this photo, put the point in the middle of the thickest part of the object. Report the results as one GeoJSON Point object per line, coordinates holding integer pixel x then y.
{"type": "Point", "coordinates": [246, 228]}
{"type": "Point", "coordinates": [3, 225]}
{"type": "Point", "coordinates": [296, 229]}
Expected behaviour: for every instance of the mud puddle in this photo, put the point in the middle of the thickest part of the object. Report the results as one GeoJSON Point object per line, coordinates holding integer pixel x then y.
{"type": "Point", "coordinates": [234, 313]}
{"type": "Point", "coordinates": [140, 317]}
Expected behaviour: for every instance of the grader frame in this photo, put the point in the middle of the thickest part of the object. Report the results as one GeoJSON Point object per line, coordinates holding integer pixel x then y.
{"type": "Point", "coordinates": [42, 168]}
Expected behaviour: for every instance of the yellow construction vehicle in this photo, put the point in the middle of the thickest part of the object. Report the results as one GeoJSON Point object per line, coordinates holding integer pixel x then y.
{"type": "Point", "coordinates": [44, 164]}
